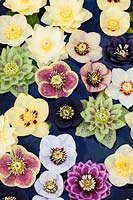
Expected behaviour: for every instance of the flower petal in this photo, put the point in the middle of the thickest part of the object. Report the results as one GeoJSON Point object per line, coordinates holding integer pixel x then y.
{"type": "Point", "coordinates": [71, 81]}
{"type": "Point", "coordinates": [5, 160]}
{"type": "Point", "coordinates": [46, 90]}
{"type": "Point", "coordinates": [113, 91]}
{"type": "Point", "coordinates": [118, 76]}
{"type": "Point", "coordinates": [31, 161]}
{"type": "Point", "coordinates": [41, 130]}
{"type": "Point", "coordinates": [43, 74]}
{"type": "Point", "coordinates": [9, 181]}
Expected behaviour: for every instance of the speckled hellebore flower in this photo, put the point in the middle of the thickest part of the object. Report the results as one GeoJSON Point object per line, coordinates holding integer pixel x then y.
{"type": "Point", "coordinates": [105, 4]}
{"type": "Point", "coordinates": [25, 7]}
{"type": "Point", "coordinates": [84, 47]}
{"type": "Point", "coordinates": [95, 76]}
{"type": "Point", "coordinates": [19, 168]}
{"type": "Point", "coordinates": [58, 153]}
{"type": "Point", "coordinates": [101, 118]}
{"type": "Point", "coordinates": [14, 29]}
{"type": "Point", "coordinates": [121, 87]}
{"type": "Point", "coordinates": [49, 185]}
{"type": "Point", "coordinates": [65, 112]}
{"type": "Point", "coordinates": [69, 15]}
{"type": "Point", "coordinates": [129, 121]}
{"type": "Point", "coordinates": [28, 116]}
{"type": "Point", "coordinates": [56, 80]}
{"type": "Point", "coordinates": [16, 70]}
{"type": "Point", "coordinates": [88, 181]}
{"type": "Point", "coordinates": [120, 166]}
{"type": "Point", "coordinates": [119, 50]}
{"type": "Point", "coordinates": [114, 21]}
{"type": "Point", "coordinates": [7, 136]}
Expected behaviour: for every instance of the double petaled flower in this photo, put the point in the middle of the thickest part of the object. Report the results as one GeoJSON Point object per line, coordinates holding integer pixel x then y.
{"type": "Point", "coordinates": [19, 168]}
{"type": "Point", "coordinates": [88, 181]}
{"type": "Point", "coordinates": [56, 80]}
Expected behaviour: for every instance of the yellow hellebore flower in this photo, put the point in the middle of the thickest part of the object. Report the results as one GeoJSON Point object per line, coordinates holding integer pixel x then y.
{"type": "Point", "coordinates": [7, 136]}
{"type": "Point", "coordinates": [114, 21]}
{"type": "Point", "coordinates": [25, 7]}
{"type": "Point", "coordinates": [105, 4]}
{"type": "Point", "coordinates": [28, 116]}
{"type": "Point", "coordinates": [129, 121]}
{"type": "Point", "coordinates": [120, 166]}
{"type": "Point", "coordinates": [68, 14]}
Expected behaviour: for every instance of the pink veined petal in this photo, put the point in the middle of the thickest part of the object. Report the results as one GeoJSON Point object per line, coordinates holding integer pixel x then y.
{"type": "Point", "coordinates": [19, 151]}
{"type": "Point", "coordinates": [99, 88]}
{"type": "Point", "coordinates": [107, 78]}
{"type": "Point", "coordinates": [85, 83]}
{"type": "Point", "coordinates": [62, 93]}
{"type": "Point", "coordinates": [5, 161]}
{"type": "Point", "coordinates": [9, 181]}
{"type": "Point", "coordinates": [99, 66]}
{"type": "Point", "coordinates": [25, 179]}
{"type": "Point", "coordinates": [32, 162]}
{"type": "Point", "coordinates": [43, 75]}
{"type": "Point", "coordinates": [85, 69]}
{"type": "Point", "coordinates": [47, 90]}
{"type": "Point", "coordinates": [60, 67]}
{"type": "Point", "coordinates": [71, 81]}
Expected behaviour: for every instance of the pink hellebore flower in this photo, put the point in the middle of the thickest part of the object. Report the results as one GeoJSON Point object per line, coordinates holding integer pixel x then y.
{"type": "Point", "coordinates": [95, 76]}
{"type": "Point", "coordinates": [56, 80]}
{"type": "Point", "coordinates": [19, 168]}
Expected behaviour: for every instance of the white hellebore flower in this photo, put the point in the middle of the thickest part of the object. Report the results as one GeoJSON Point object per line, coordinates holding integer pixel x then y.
{"type": "Point", "coordinates": [37, 197]}
{"type": "Point", "coordinates": [121, 87]}
{"type": "Point", "coordinates": [114, 21]}
{"type": "Point", "coordinates": [14, 30]}
{"type": "Point", "coordinates": [129, 121]}
{"type": "Point", "coordinates": [49, 185]}
{"type": "Point", "coordinates": [120, 166]}
{"type": "Point", "coordinates": [47, 44]}
{"type": "Point", "coordinates": [58, 153]}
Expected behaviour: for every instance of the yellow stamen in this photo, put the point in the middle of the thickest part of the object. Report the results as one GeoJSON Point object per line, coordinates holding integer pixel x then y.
{"type": "Point", "coordinates": [13, 32]}
{"type": "Point", "coordinates": [113, 24]}
{"type": "Point", "coordinates": [46, 45]}
{"type": "Point", "coordinates": [66, 13]}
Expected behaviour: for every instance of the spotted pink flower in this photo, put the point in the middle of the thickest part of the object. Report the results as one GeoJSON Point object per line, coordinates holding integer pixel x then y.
{"type": "Point", "coordinates": [19, 168]}
{"type": "Point", "coordinates": [95, 76]}
{"type": "Point", "coordinates": [56, 80]}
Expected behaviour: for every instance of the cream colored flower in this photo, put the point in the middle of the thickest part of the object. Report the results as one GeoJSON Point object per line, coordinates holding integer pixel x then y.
{"type": "Point", "coordinates": [14, 29]}
{"type": "Point", "coordinates": [129, 121]}
{"type": "Point", "coordinates": [105, 4]}
{"type": "Point", "coordinates": [69, 14]}
{"type": "Point", "coordinates": [114, 21]}
{"type": "Point", "coordinates": [25, 7]}
{"type": "Point", "coordinates": [120, 166]}
{"type": "Point", "coordinates": [28, 116]}
{"type": "Point", "coordinates": [7, 136]}
{"type": "Point", "coordinates": [47, 44]}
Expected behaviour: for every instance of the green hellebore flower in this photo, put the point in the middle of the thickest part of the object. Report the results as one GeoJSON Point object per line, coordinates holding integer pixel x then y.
{"type": "Point", "coordinates": [101, 118]}
{"type": "Point", "coordinates": [16, 70]}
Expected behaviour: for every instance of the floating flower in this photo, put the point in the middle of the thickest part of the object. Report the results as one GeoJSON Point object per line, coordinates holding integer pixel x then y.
{"type": "Point", "coordinates": [37, 197]}
{"type": "Point", "coordinates": [49, 185]}
{"type": "Point", "coordinates": [105, 4]}
{"type": "Point", "coordinates": [16, 70]}
{"type": "Point", "coordinates": [119, 50]}
{"type": "Point", "coordinates": [7, 136]}
{"type": "Point", "coordinates": [120, 166]}
{"type": "Point", "coordinates": [121, 87]}
{"type": "Point", "coordinates": [114, 21]}
{"type": "Point", "coordinates": [25, 7]}
{"type": "Point", "coordinates": [101, 118]}
{"type": "Point", "coordinates": [84, 47]}
{"type": "Point", "coordinates": [65, 112]}
{"type": "Point", "coordinates": [58, 153]}
{"type": "Point", "coordinates": [95, 76]}
{"type": "Point", "coordinates": [14, 29]}
{"type": "Point", "coordinates": [69, 15]}
{"type": "Point", "coordinates": [19, 168]}
{"type": "Point", "coordinates": [56, 80]}
{"type": "Point", "coordinates": [88, 181]}
{"type": "Point", "coordinates": [129, 121]}
{"type": "Point", "coordinates": [47, 44]}
{"type": "Point", "coordinates": [28, 116]}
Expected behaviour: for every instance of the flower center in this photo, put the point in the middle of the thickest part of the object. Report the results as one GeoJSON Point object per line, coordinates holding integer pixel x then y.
{"type": "Point", "coordinates": [25, 1]}
{"type": "Point", "coordinates": [57, 81]}
{"type": "Point", "coordinates": [46, 45]}
{"type": "Point", "coordinates": [122, 51]}
{"type": "Point", "coordinates": [29, 117]}
{"type": "Point", "coordinates": [126, 87]}
{"type": "Point", "coordinates": [58, 155]}
{"type": "Point", "coordinates": [102, 116]}
{"type": "Point", "coordinates": [93, 78]}
{"type": "Point", "coordinates": [66, 112]}
{"type": "Point", "coordinates": [113, 24]}
{"type": "Point", "coordinates": [11, 69]}
{"type": "Point", "coordinates": [50, 186]}
{"type": "Point", "coordinates": [66, 13]}
{"type": "Point", "coordinates": [9, 198]}
{"type": "Point", "coordinates": [17, 167]}
{"type": "Point", "coordinates": [115, 1]}
{"type": "Point", "coordinates": [13, 32]}
{"type": "Point", "coordinates": [124, 166]}
{"type": "Point", "coordinates": [87, 183]}
{"type": "Point", "coordinates": [82, 48]}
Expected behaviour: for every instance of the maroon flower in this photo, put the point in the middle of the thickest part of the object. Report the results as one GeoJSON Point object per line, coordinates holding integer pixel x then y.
{"type": "Point", "coordinates": [56, 80]}
{"type": "Point", "coordinates": [88, 181]}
